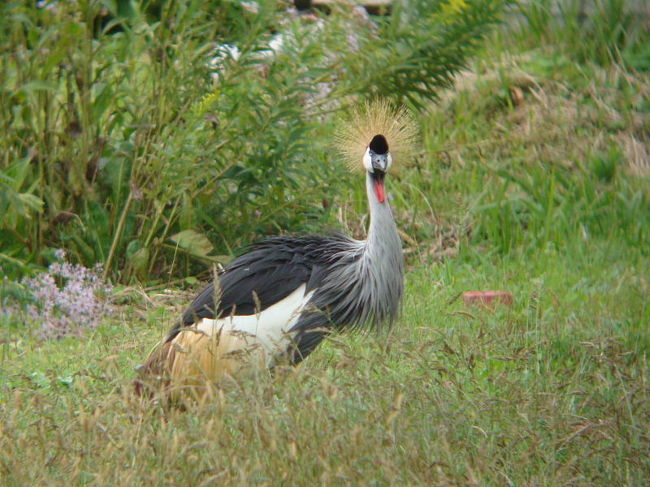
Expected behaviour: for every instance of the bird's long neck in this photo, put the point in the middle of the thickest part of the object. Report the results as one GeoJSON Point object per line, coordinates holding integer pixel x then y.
{"type": "Point", "coordinates": [383, 256]}
{"type": "Point", "coordinates": [383, 230]}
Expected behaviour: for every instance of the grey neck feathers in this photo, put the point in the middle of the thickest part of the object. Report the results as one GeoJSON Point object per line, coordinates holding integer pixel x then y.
{"type": "Point", "coordinates": [382, 234]}
{"type": "Point", "coordinates": [364, 287]}
{"type": "Point", "coordinates": [382, 261]}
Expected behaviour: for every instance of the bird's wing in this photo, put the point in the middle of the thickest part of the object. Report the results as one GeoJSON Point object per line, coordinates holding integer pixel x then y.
{"type": "Point", "coordinates": [272, 287]}
{"type": "Point", "coordinates": [253, 282]}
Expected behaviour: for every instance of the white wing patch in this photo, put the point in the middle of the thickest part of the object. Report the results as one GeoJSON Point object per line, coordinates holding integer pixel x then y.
{"type": "Point", "coordinates": [269, 327]}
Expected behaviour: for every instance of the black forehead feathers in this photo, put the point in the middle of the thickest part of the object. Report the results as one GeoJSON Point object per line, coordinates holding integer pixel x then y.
{"type": "Point", "coordinates": [379, 145]}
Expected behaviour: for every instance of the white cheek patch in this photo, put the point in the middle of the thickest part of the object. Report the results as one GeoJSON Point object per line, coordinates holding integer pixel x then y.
{"type": "Point", "coordinates": [389, 161]}
{"type": "Point", "coordinates": [367, 162]}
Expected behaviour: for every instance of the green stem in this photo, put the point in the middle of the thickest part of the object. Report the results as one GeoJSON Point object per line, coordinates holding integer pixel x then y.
{"type": "Point", "coordinates": [118, 234]}
{"type": "Point", "coordinates": [170, 221]}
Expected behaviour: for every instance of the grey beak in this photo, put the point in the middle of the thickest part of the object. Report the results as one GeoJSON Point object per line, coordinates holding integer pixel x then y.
{"type": "Point", "coordinates": [379, 161]}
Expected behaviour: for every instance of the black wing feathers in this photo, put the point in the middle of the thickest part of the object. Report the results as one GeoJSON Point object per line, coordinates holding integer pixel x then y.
{"type": "Point", "coordinates": [268, 273]}
{"type": "Point", "coordinates": [201, 307]}
{"type": "Point", "coordinates": [272, 276]}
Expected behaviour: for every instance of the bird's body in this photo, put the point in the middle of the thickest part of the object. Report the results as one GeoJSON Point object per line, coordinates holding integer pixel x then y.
{"type": "Point", "coordinates": [276, 303]}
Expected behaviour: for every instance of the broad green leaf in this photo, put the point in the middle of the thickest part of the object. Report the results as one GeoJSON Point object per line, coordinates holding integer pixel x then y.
{"type": "Point", "coordinates": [194, 243]}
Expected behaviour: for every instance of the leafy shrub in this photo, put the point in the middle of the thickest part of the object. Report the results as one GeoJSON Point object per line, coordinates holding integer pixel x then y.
{"type": "Point", "coordinates": [209, 120]}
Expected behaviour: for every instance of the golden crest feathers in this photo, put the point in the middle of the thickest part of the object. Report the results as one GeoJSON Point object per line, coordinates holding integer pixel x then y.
{"type": "Point", "coordinates": [374, 118]}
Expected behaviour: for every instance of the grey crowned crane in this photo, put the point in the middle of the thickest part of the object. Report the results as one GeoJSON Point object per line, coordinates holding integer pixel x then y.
{"type": "Point", "coordinates": [276, 303]}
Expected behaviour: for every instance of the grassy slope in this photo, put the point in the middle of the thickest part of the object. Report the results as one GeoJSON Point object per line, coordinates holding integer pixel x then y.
{"type": "Point", "coordinates": [553, 391]}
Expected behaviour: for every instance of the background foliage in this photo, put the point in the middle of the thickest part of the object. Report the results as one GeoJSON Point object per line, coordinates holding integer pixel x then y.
{"type": "Point", "coordinates": [145, 136]}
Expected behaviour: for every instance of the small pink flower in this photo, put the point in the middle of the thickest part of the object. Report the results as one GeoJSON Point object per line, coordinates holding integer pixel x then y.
{"type": "Point", "coordinates": [68, 298]}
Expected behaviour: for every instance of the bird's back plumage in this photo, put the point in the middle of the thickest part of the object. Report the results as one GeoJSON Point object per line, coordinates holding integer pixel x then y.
{"type": "Point", "coordinates": [267, 273]}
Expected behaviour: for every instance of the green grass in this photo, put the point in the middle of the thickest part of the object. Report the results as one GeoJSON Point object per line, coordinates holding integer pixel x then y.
{"type": "Point", "coordinates": [552, 391]}
{"type": "Point", "coordinates": [534, 178]}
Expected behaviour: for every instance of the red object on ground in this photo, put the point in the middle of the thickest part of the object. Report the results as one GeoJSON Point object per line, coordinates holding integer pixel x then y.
{"type": "Point", "coordinates": [487, 298]}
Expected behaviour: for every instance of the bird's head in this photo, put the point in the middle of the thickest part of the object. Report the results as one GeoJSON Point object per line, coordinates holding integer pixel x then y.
{"type": "Point", "coordinates": [376, 136]}
{"type": "Point", "coordinates": [377, 161]}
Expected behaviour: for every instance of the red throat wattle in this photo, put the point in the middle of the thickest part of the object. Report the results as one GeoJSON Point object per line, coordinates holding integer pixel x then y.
{"type": "Point", "coordinates": [379, 190]}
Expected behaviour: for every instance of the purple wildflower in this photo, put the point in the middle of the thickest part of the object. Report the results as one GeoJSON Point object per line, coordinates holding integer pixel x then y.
{"type": "Point", "coordinates": [68, 299]}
